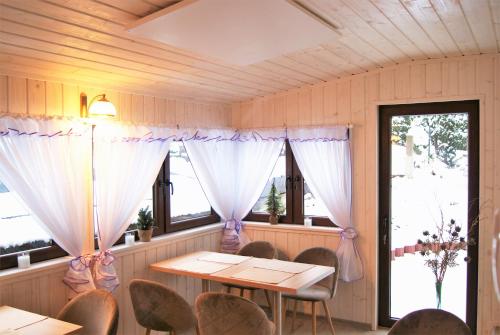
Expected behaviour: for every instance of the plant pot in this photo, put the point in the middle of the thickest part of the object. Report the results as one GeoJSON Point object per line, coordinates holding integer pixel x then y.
{"type": "Point", "coordinates": [273, 219]}
{"type": "Point", "coordinates": [145, 235]}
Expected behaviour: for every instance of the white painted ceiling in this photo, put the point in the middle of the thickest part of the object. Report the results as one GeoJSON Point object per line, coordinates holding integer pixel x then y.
{"type": "Point", "coordinates": [239, 32]}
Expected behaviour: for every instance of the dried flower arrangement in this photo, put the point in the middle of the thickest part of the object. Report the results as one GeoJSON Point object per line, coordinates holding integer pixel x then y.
{"type": "Point", "coordinates": [441, 249]}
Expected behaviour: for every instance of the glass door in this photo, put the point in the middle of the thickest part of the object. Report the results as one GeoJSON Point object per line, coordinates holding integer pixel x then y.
{"type": "Point", "coordinates": [428, 183]}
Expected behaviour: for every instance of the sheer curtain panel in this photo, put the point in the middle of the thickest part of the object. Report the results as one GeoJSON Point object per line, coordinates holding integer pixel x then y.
{"type": "Point", "coordinates": [126, 161]}
{"type": "Point", "coordinates": [233, 167]}
{"type": "Point", "coordinates": [46, 163]}
{"type": "Point", "coordinates": [324, 158]}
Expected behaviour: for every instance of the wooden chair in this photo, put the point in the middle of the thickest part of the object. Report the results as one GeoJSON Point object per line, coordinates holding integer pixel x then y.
{"type": "Point", "coordinates": [156, 307]}
{"type": "Point", "coordinates": [323, 291]}
{"type": "Point", "coordinates": [260, 249]}
{"type": "Point", "coordinates": [227, 314]}
{"type": "Point", "coordinates": [95, 310]}
{"type": "Point", "coordinates": [430, 321]}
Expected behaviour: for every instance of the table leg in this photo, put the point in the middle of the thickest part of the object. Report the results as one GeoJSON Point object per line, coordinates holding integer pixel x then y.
{"type": "Point", "coordinates": [277, 312]}
{"type": "Point", "coordinates": [205, 285]}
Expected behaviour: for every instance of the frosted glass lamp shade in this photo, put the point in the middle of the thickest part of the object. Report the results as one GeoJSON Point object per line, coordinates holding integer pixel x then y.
{"type": "Point", "coordinates": [102, 108]}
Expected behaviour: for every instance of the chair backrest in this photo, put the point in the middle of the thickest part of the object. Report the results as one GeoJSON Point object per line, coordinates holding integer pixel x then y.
{"type": "Point", "coordinates": [227, 314]}
{"type": "Point", "coordinates": [430, 321]}
{"type": "Point", "coordinates": [260, 249]}
{"type": "Point", "coordinates": [281, 255]}
{"type": "Point", "coordinates": [95, 310]}
{"type": "Point", "coordinates": [326, 257]}
{"type": "Point", "coordinates": [159, 308]}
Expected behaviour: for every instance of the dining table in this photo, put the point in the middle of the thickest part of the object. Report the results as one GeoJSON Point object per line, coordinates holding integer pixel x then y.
{"type": "Point", "coordinates": [270, 274]}
{"type": "Point", "coordinates": [14, 321]}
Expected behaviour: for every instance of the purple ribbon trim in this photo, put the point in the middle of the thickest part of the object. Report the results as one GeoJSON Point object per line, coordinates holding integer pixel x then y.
{"type": "Point", "coordinates": [236, 137]}
{"type": "Point", "coordinates": [105, 257]}
{"type": "Point", "coordinates": [17, 132]}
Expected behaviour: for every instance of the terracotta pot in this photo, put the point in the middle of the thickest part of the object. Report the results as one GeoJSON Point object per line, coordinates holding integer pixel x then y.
{"type": "Point", "coordinates": [273, 219]}
{"type": "Point", "coordinates": [145, 235]}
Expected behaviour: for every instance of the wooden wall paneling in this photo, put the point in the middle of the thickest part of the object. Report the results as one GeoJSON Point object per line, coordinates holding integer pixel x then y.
{"type": "Point", "coordinates": [124, 107]}
{"type": "Point", "coordinates": [496, 201]}
{"type": "Point", "coordinates": [54, 98]}
{"type": "Point", "coordinates": [258, 118]}
{"type": "Point", "coordinates": [279, 110]}
{"type": "Point", "coordinates": [126, 307]}
{"type": "Point", "coordinates": [387, 84]}
{"type": "Point", "coordinates": [330, 103]}
{"type": "Point", "coordinates": [171, 117]}
{"type": "Point", "coordinates": [181, 281]}
{"type": "Point", "coordinates": [466, 76]}
{"type": "Point", "coordinates": [305, 106]}
{"type": "Point", "coordinates": [149, 109]}
{"type": "Point", "coordinates": [137, 108]}
{"type": "Point", "coordinates": [160, 111]}
{"type": "Point", "coordinates": [359, 212]}
{"type": "Point", "coordinates": [236, 115]}
{"type": "Point", "coordinates": [17, 98]}
{"type": "Point", "coordinates": [36, 97]}
{"type": "Point", "coordinates": [292, 108]}
{"type": "Point", "coordinates": [180, 113]}
{"type": "Point", "coordinates": [268, 111]}
{"type": "Point", "coordinates": [402, 82]}
{"type": "Point", "coordinates": [433, 78]}
{"type": "Point", "coordinates": [317, 105]}
{"type": "Point", "coordinates": [246, 115]}
{"type": "Point", "coordinates": [371, 201]}
{"type": "Point", "coordinates": [71, 101]}
{"type": "Point", "coordinates": [343, 102]}
{"type": "Point", "coordinates": [485, 85]}
{"type": "Point", "coordinates": [450, 78]}
{"type": "Point", "coordinates": [417, 81]}
{"type": "Point", "coordinates": [4, 94]}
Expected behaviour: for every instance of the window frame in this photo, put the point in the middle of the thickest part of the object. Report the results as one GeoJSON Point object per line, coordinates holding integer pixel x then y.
{"type": "Point", "coordinates": [162, 193]}
{"type": "Point", "coordinates": [36, 255]}
{"type": "Point", "coordinates": [294, 198]}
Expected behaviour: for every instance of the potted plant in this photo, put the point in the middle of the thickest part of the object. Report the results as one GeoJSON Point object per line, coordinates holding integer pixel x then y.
{"type": "Point", "coordinates": [274, 205]}
{"type": "Point", "coordinates": [145, 223]}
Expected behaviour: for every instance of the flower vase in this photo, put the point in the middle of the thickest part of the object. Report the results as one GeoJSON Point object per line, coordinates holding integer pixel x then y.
{"type": "Point", "coordinates": [439, 285]}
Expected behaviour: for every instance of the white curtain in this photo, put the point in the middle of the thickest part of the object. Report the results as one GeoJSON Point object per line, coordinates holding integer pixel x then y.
{"type": "Point", "coordinates": [233, 168]}
{"type": "Point", "coordinates": [127, 160]}
{"type": "Point", "coordinates": [323, 157]}
{"type": "Point", "coordinates": [46, 163]}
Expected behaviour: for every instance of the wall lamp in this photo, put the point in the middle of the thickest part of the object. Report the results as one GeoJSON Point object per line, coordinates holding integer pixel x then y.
{"type": "Point", "coordinates": [99, 106]}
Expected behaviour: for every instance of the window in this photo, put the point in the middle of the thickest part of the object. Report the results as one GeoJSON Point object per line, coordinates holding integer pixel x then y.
{"type": "Point", "coordinates": [20, 232]}
{"type": "Point", "coordinates": [177, 199]}
{"type": "Point", "coordinates": [297, 198]}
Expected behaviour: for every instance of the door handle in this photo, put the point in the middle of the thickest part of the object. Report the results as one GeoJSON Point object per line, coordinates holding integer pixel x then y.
{"type": "Point", "coordinates": [385, 227]}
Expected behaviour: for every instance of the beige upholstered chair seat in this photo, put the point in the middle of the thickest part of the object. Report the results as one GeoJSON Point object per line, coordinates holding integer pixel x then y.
{"type": "Point", "coordinates": [430, 321]}
{"type": "Point", "coordinates": [95, 310]}
{"type": "Point", "coordinates": [227, 314]}
{"type": "Point", "coordinates": [313, 293]}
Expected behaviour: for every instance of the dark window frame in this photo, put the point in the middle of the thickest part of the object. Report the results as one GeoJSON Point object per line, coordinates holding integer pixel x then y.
{"type": "Point", "coordinates": [294, 198]}
{"type": "Point", "coordinates": [386, 112]}
{"type": "Point", "coordinates": [37, 255]}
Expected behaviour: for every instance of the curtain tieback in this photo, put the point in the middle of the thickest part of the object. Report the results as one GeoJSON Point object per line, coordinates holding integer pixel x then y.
{"type": "Point", "coordinates": [81, 263]}
{"type": "Point", "coordinates": [105, 257]}
{"type": "Point", "coordinates": [233, 224]}
{"type": "Point", "coordinates": [349, 233]}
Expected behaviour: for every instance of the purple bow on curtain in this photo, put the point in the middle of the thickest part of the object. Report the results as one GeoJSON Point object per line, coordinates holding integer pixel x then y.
{"type": "Point", "coordinates": [78, 276]}
{"type": "Point", "coordinates": [104, 272]}
{"type": "Point", "coordinates": [231, 237]}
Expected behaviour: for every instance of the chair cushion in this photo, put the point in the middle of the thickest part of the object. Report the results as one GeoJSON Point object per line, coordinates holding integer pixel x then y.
{"type": "Point", "coordinates": [313, 293]}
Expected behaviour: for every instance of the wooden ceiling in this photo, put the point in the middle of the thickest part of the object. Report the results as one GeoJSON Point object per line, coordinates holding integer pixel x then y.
{"type": "Point", "coordinates": [85, 41]}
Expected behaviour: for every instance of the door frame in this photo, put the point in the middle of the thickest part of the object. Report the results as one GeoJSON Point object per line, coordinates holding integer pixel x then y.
{"type": "Point", "coordinates": [385, 112]}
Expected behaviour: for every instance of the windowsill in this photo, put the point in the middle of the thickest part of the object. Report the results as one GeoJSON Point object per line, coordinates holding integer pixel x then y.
{"type": "Point", "coordinates": [118, 250]}
{"type": "Point", "coordinates": [291, 227]}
